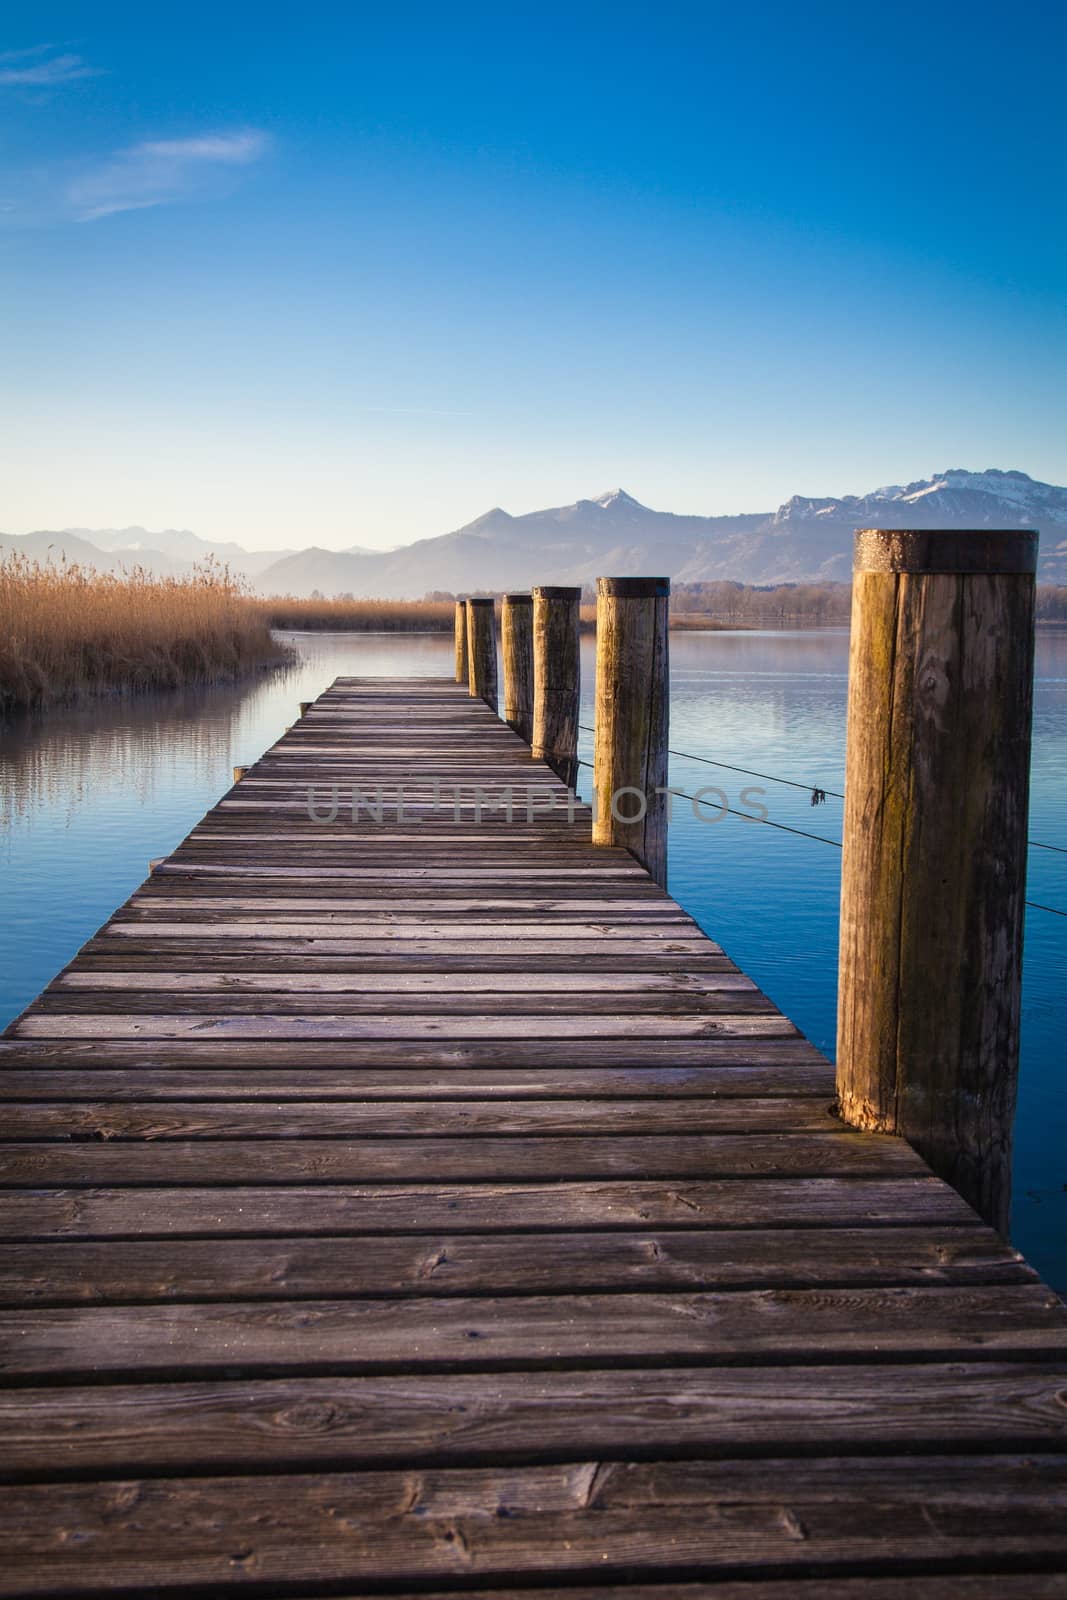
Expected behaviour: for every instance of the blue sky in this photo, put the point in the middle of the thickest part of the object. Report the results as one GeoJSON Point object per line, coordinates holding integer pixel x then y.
{"type": "Point", "coordinates": [344, 273]}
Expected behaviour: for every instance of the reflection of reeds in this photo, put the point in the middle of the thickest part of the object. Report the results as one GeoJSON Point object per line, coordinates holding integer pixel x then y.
{"type": "Point", "coordinates": [81, 756]}
{"type": "Point", "coordinates": [69, 631]}
{"type": "Point", "coordinates": [359, 616]}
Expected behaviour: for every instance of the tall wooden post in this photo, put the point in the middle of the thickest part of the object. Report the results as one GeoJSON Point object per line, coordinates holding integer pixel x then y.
{"type": "Point", "coordinates": [462, 672]}
{"type": "Point", "coordinates": [481, 650]}
{"type": "Point", "coordinates": [934, 859]}
{"type": "Point", "coordinates": [516, 649]}
{"type": "Point", "coordinates": [556, 679]}
{"type": "Point", "coordinates": [632, 716]}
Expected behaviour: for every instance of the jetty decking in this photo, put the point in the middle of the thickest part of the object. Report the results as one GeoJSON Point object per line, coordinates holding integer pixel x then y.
{"type": "Point", "coordinates": [430, 1206]}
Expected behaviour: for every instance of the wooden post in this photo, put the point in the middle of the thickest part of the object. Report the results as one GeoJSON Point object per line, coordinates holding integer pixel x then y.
{"type": "Point", "coordinates": [556, 679]}
{"type": "Point", "coordinates": [516, 649]}
{"type": "Point", "coordinates": [238, 773]}
{"type": "Point", "coordinates": [481, 650]}
{"type": "Point", "coordinates": [934, 859]}
{"type": "Point", "coordinates": [305, 707]}
{"type": "Point", "coordinates": [462, 672]}
{"type": "Point", "coordinates": [632, 715]}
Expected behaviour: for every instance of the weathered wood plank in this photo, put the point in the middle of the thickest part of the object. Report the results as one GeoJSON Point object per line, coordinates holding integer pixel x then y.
{"type": "Point", "coordinates": [240, 1210]}
{"type": "Point", "coordinates": [143, 1000]}
{"type": "Point", "coordinates": [234, 1081]}
{"type": "Point", "coordinates": [531, 1331]}
{"type": "Point", "coordinates": [461, 1418]}
{"type": "Point", "coordinates": [614, 983]}
{"type": "Point", "coordinates": [307, 1120]}
{"type": "Point", "coordinates": [174, 1025]}
{"type": "Point", "coordinates": [659, 1055]}
{"type": "Point", "coordinates": [489, 1157]}
{"type": "Point", "coordinates": [114, 1270]}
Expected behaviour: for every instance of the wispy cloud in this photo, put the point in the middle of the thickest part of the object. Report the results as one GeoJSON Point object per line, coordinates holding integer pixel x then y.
{"type": "Point", "coordinates": [161, 171]}
{"type": "Point", "coordinates": [39, 68]}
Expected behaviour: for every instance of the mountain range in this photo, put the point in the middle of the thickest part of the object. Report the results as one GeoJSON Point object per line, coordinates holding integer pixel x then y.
{"type": "Point", "coordinates": [804, 541]}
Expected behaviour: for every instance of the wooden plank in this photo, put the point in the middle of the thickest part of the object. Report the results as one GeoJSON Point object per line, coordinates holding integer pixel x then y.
{"type": "Point", "coordinates": [231, 1081]}
{"type": "Point", "coordinates": [152, 899]}
{"type": "Point", "coordinates": [661, 1055]}
{"type": "Point", "coordinates": [409, 1118]}
{"type": "Point", "coordinates": [582, 1008]}
{"type": "Point", "coordinates": [335, 955]}
{"type": "Point", "coordinates": [114, 1270]}
{"type": "Point", "coordinates": [488, 1157]}
{"type": "Point", "coordinates": [535, 1331]}
{"type": "Point", "coordinates": [464, 1418]}
{"type": "Point", "coordinates": [173, 1025]}
{"type": "Point", "coordinates": [329, 1209]}
{"type": "Point", "coordinates": [614, 983]}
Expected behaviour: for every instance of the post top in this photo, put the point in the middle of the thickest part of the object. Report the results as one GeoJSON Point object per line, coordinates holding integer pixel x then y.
{"type": "Point", "coordinates": [990, 550]}
{"type": "Point", "coordinates": [634, 588]}
{"type": "Point", "coordinates": [480, 600]}
{"type": "Point", "coordinates": [524, 599]}
{"type": "Point", "coordinates": [556, 591]}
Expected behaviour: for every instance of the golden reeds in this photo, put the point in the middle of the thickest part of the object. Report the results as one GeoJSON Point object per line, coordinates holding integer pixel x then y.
{"type": "Point", "coordinates": [68, 631]}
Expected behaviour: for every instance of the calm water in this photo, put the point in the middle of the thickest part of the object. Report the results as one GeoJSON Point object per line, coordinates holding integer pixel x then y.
{"type": "Point", "coordinates": [90, 796]}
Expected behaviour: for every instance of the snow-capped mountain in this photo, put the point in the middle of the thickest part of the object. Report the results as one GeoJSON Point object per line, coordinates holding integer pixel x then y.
{"type": "Point", "coordinates": [805, 540]}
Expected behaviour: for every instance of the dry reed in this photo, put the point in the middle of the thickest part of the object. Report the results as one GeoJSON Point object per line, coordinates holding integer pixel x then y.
{"type": "Point", "coordinates": [68, 631]}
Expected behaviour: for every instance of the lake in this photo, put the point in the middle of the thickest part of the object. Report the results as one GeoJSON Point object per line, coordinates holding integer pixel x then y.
{"type": "Point", "coordinates": [89, 796]}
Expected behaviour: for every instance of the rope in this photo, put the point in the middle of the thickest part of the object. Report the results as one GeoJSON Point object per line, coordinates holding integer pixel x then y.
{"type": "Point", "coordinates": [818, 794]}
{"type": "Point", "coordinates": [820, 838]}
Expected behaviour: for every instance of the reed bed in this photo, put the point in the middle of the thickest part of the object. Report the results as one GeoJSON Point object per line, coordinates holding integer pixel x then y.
{"type": "Point", "coordinates": [68, 632]}
{"type": "Point", "coordinates": [357, 616]}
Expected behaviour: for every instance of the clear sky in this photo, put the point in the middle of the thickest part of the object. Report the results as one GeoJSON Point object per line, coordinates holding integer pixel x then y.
{"type": "Point", "coordinates": [341, 273]}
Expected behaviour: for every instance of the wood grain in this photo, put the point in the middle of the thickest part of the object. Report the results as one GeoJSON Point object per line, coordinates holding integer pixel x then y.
{"type": "Point", "coordinates": [934, 864]}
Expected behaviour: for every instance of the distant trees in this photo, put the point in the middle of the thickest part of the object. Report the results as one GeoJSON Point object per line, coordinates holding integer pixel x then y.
{"type": "Point", "coordinates": [1052, 602]}
{"type": "Point", "coordinates": [804, 605]}
{"type": "Point", "coordinates": [746, 605]}
{"type": "Point", "coordinates": [782, 605]}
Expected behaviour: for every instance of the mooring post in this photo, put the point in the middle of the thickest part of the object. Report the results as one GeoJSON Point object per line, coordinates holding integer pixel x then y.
{"type": "Point", "coordinates": [462, 671]}
{"type": "Point", "coordinates": [934, 859]}
{"type": "Point", "coordinates": [305, 707]}
{"type": "Point", "coordinates": [481, 649]}
{"type": "Point", "coordinates": [630, 806]}
{"type": "Point", "coordinates": [556, 679]}
{"type": "Point", "coordinates": [238, 773]}
{"type": "Point", "coordinates": [516, 650]}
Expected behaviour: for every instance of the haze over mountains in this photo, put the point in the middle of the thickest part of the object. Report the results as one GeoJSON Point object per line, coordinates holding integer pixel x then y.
{"type": "Point", "coordinates": [805, 540]}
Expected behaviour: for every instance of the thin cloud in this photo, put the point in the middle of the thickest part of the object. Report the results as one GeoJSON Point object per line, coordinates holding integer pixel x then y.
{"type": "Point", "coordinates": [161, 171]}
{"type": "Point", "coordinates": [25, 68]}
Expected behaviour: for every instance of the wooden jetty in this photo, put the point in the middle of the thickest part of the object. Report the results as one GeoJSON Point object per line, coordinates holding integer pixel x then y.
{"type": "Point", "coordinates": [429, 1207]}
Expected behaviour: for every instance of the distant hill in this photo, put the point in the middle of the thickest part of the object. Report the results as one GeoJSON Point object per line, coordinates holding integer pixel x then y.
{"type": "Point", "coordinates": [804, 541]}
{"type": "Point", "coordinates": [172, 552]}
